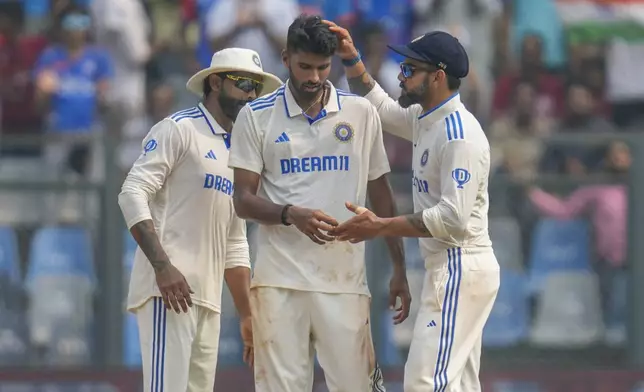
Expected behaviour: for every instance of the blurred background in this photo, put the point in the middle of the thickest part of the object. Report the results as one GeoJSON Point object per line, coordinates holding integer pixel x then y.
{"type": "Point", "coordinates": [557, 85]}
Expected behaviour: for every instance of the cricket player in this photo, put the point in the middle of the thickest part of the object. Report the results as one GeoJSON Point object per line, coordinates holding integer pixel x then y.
{"type": "Point", "coordinates": [451, 165]}
{"type": "Point", "coordinates": [310, 147]}
{"type": "Point", "coordinates": [177, 203]}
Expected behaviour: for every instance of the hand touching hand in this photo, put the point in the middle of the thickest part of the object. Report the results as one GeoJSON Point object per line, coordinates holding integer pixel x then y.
{"type": "Point", "coordinates": [365, 225]}
{"type": "Point", "coordinates": [312, 223]}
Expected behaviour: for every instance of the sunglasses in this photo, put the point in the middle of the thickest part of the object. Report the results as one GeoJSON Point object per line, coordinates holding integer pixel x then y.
{"type": "Point", "coordinates": [408, 70]}
{"type": "Point", "coordinates": [244, 83]}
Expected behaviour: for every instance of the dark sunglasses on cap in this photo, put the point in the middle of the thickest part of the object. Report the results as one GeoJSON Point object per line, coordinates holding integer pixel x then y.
{"type": "Point", "coordinates": [244, 83]}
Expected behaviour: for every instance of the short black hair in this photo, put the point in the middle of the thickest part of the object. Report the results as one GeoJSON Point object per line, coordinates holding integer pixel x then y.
{"type": "Point", "coordinates": [309, 34]}
{"type": "Point", "coordinates": [453, 83]}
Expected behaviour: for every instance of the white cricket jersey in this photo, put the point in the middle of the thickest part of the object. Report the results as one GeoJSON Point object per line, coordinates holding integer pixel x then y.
{"type": "Point", "coordinates": [182, 182]}
{"type": "Point", "coordinates": [451, 167]}
{"type": "Point", "coordinates": [315, 163]}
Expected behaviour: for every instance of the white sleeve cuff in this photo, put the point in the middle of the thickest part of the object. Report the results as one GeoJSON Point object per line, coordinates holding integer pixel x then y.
{"type": "Point", "coordinates": [434, 223]}
{"type": "Point", "coordinates": [135, 208]}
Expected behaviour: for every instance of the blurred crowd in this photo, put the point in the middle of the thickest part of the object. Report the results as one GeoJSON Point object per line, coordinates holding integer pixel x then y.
{"type": "Point", "coordinates": [539, 69]}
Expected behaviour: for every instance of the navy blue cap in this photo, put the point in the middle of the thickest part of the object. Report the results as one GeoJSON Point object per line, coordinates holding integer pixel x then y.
{"type": "Point", "coordinates": [440, 49]}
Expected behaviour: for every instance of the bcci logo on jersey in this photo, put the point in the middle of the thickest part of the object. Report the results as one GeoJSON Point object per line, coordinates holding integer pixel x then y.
{"type": "Point", "coordinates": [343, 132]}
{"type": "Point", "coordinates": [461, 176]}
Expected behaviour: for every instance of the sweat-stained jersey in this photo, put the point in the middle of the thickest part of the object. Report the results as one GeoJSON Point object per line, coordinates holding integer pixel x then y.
{"type": "Point", "coordinates": [315, 163]}
{"type": "Point", "coordinates": [451, 167]}
{"type": "Point", "coordinates": [182, 182]}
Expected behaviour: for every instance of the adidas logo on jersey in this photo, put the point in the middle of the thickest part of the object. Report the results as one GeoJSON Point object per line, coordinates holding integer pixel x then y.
{"type": "Point", "coordinates": [283, 138]}
{"type": "Point", "coordinates": [210, 155]}
{"type": "Point", "coordinates": [432, 323]}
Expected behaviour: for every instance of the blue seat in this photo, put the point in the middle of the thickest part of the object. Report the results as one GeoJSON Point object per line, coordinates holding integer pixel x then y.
{"type": "Point", "coordinates": [508, 323]}
{"type": "Point", "coordinates": [9, 258]}
{"type": "Point", "coordinates": [558, 245]}
{"type": "Point", "coordinates": [131, 345]}
{"type": "Point", "coordinates": [60, 283]}
{"type": "Point", "coordinates": [61, 251]}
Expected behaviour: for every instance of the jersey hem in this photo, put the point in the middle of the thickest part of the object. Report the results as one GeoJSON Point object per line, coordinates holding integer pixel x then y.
{"type": "Point", "coordinates": [133, 307]}
{"type": "Point", "coordinates": [299, 288]}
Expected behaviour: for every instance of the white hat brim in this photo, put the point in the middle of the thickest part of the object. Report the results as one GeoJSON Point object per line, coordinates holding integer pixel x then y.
{"type": "Point", "coordinates": [195, 83]}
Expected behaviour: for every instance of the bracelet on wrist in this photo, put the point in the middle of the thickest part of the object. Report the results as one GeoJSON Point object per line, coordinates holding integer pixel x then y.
{"type": "Point", "coordinates": [284, 214]}
{"type": "Point", "coordinates": [353, 61]}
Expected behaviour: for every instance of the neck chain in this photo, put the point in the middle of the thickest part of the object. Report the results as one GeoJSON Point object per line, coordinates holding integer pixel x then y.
{"type": "Point", "coordinates": [316, 101]}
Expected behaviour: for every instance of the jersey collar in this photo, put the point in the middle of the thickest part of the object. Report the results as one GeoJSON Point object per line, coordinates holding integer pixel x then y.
{"type": "Point", "coordinates": [441, 110]}
{"type": "Point", "coordinates": [293, 109]}
{"type": "Point", "coordinates": [215, 128]}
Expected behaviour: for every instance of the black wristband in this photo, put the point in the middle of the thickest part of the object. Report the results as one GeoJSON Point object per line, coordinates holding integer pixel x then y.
{"type": "Point", "coordinates": [284, 211]}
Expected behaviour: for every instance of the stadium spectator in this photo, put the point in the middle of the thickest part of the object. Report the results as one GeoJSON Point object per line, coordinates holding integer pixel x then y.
{"type": "Point", "coordinates": [123, 29]}
{"type": "Point", "coordinates": [18, 54]}
{"type": "Point", "coordinates": [516, 138]}
{"type": "Point", "coordinates": [581, 118]}
{"type": "Point", "coordinates": [606, 205]}
{"type": "Point", "coordinates": [260, 25]}
{"type": "Point", "coordinates": [72, 81]}
{"type": "Point", "coordinates": [549, 87]}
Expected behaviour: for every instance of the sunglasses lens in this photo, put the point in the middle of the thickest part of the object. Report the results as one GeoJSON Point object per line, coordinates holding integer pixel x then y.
{"type": "Point", "coordinates": [247, 85]}
{"type": "Point", "coordinates": [406, 70]}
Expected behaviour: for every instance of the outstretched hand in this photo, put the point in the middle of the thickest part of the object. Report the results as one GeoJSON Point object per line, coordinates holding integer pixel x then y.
{"type": "Point", "coordinates": [365, 225]}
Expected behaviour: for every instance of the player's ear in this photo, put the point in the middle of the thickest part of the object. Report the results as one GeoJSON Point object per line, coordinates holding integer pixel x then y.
{"type": "Point", "coordinates": [285, 58]}
{"type": "Point", "coordinates": [216, 83]}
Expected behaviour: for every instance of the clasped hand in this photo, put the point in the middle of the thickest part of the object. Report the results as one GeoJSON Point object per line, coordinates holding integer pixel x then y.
{"type": "Point", "coordinates": [322, 228]}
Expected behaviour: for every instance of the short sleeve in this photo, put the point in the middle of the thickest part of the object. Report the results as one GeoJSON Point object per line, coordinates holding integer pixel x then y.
{"type": "Point", "coordinates": [246, 145]}
{"type": "Point", "coordinates": [378, 161]}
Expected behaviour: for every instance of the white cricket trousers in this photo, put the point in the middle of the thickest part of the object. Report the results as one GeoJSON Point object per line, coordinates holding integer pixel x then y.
{"type": "Point", "coordinates": [179, 351]}
{"type": "Point", "coordinates": [458, 293]}
{"type": "Point", "coordinates": [289, 326]}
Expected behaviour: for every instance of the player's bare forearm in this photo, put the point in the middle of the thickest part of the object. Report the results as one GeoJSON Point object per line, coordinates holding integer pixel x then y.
{"type": "Point", "coordinates": [146, 237]}
{"type": "Point", "coordinates": [362, 83]}
{"type": "Point", "coordinates": [248, 205]}
{"type": "Point", "coordinates": [238, 281]}
{"type": "Point", "coordinates": [252, 207]}
{"type": "Point", "coordinates": [382, 204]}
{"type": "Point", "coordinates": [411, 225]}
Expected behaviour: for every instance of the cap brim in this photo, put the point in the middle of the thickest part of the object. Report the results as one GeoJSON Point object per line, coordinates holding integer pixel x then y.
{"type": "Point", "coordinates": [195, 83]}
{"type": "Point", "coordinates": [405, 51]}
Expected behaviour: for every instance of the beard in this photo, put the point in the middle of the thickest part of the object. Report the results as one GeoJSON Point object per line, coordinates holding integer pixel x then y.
{"type": "Point", "coordinates": [412, 97]}
{"type": "Point", "coordinates": [305, 90]}
{"type": "Point", "coordinates": [231, 106]}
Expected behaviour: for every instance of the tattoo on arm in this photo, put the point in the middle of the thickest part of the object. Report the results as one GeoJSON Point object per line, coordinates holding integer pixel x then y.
{"type": "Point", "coordinates": [146, 236]}
{"type": "Point", "coordinates": [416, 220]}
{"type": "Point", "coordinates": [361, 85]}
